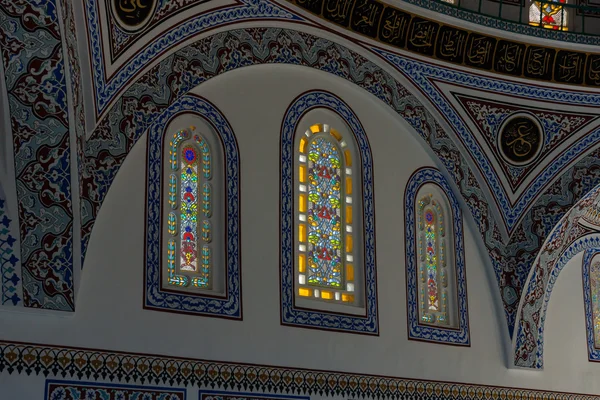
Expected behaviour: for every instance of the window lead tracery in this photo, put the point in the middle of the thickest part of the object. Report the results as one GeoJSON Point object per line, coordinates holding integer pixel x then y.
{"type": "Point", "coordinates": [325, 216]}
{"type": "Point", "coordinates": [189, 225]}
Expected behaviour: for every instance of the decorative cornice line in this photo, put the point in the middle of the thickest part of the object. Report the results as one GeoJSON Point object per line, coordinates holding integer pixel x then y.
{"type": "Point", "coordinates": [96, 364]}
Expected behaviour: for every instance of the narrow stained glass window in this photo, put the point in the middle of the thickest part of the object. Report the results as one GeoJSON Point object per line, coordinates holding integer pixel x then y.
{"type": "Point", "coordinates": [189, 226]}
{"type": "Point", "coordinates": [433, 280]}
{"type": "Point", "coordinates": [550, 15]}
{"type": "Point", "coordinates": [325, 235]}
{"type": "Point", "coordinates": [595, 297]}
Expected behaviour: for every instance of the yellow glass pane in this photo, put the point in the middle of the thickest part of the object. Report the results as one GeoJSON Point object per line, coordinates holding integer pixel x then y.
{"type": "Point", "coordinates": [302, 203]}
{"type": "Point", "coordinates": [305, 292]}
{"type": "Point", "coordinates": [302, 173]}
{"type": "Point", "coordinates": [349, 215]}
{"type": "Point", "coordinates": [349, 273]}
{"type": "Point", "coordinates": [303, 143]}
{"type": "Point", "coordinates": [326, 295]}
{"type": "Point", "coordinates": [348, 158]}
{"type": "Point", "coordinates": [316, 128]}
{"type": "Point", "coordinates": [348, 243]}
{"type": "Point", "coordinates": [336, 134]}
{"type": "Point", "coordinates": [348, 185]}
{"type": "Point", "coordinates": [348, 298]}
{"type": "Point", "coordinates": [302, 263]}
{"type": "Point", "coordinates": [302, 233]}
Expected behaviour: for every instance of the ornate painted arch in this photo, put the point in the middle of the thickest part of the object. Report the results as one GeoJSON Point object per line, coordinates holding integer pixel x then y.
{"type": "Point", "coordinates": [567, 239]}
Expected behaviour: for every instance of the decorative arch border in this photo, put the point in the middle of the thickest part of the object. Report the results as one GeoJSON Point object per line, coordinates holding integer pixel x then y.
{"type": "Point", "coordinates": [567, 239]}
{"type": "Point", "coordinates": [588, 256]}
{"type": "Point", "coordinates": [327, 320]}
{"type": "Point", "coordinates": [416, 330]}
{"type": "Point", "coordinates": [156, 298]}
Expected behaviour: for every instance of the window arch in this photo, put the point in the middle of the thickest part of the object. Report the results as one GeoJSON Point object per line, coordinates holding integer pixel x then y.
{"type": "Point", "coordinates": [550, 15]}
{"type": "Point", "coordinates": [192, 212]}
{"type": "Point", "coordinates": [328, 278]}
{"type": "Point", "coordinates": [189, 224]}
{"type": "Point", "coordinates": [435, 270]}
{"type": "Point", "coordinates": [591, 298]}
{"type": "Point", "coordinates": [325, 265]}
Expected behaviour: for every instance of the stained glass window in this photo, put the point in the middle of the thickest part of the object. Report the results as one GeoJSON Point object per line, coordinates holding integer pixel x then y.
{"type": "Point", "coordinates": [595, 298]}
{"type": "Point", "coordinates": [325, 265]}
{"type": "Point", "coordinates": [433, 272]}
{"type": "Point", "coordinates": [549, 14]}
{"type": "Point", "coordinates": [188, 224]}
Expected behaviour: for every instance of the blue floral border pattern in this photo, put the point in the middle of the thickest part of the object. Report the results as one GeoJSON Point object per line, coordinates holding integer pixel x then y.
{"type": "Point", "coordinates": [290, 315]}
{"type": "Point", "coordinates": [105, 91]}
{"type": "Point", "coordinates": [8, 260]}
{"type": "Point", "coordinates": [155, 298]}
{"type": "Point", "coordinates": [593, 351]}
{"type": "Point", "coordinates": [75, 390]}
{"type": "Point", "coordinates": [415, 329]}
{"type": "Point", "coordinates": [220, 395]}
{"type": "Point", "coordinates": [31, 45]}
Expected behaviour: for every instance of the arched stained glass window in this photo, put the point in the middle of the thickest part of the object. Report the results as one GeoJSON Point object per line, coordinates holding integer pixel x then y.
{"type": "Point", "coordinates": [325, 263]}
{"type": "Point", "coordinates": [435, 262]}
{"type": "Point", "coordinates": [549, 14]}
{"type": "Point", "coordinates": [595, 300]}
{"type": "Point", "coordinates": [189, 222]}
{"type": "Point", "coordinates": [433, 274]}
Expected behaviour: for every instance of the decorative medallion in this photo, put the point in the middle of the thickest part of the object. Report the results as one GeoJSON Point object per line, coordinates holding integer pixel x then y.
{"type": "Point", "coordinates": [132, 15]}
{"type": "Point", "coordinates": [520, 139]}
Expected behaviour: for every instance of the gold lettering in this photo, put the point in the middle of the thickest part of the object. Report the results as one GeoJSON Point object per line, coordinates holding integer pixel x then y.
{"type": "Point", "coordinates": [570, 67]}
{"type": "Point", "coordinates": [393, 29]}
{"type": "Point", "coordinates": [340, 8]}
{"type": "Point", "coordinates": [123, 6]}
{"type": "Point", "coordinates": [451, 44]}
{"type": "Point", "coordinates": [539, 61]}
{"type": "Point", "coordinates": [522, 145]}
{"type": "Point", "coordinates": [479, 51]}
{"type": "Point", "coordinates": [423, 32]}
{"type": "Point", "coordinates": [510, 54]}
{"type": "Point", "coordinates": [369, 19]}
{"type": "Point", "coordinates": [594, 71]}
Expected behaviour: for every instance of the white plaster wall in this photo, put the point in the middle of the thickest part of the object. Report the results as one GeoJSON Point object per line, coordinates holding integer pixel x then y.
{"type": "Point", "coordinates": [109, 311]}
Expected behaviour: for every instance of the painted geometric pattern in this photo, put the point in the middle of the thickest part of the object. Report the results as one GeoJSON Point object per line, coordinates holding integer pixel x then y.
{"type": "Point", "coordinates": [35, 78]}
{"type": "Point", "coordinates": [488, 116]}
{"type": "Point", "coordinates": [417, 330]}
{"type": "Point", "coordinates": [591, 299]}
{"type": "Point", "coordinates": [155, 298]}
{"type": "Point", "coordinates": [215, 395]}
{"type": "Point", "coordinates": [65, 390]}
{"type": "Point", "coordinates": [96, 364]}
{"type": "Point", "coordinates": [107, 90]}
{"type": "Point", "coordinates": [8, 259]}
{"type": "Point", "coordinates": [290, 315]}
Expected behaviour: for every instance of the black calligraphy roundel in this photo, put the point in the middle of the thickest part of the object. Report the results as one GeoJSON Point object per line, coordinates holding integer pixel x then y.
{"type": "Point", "coordinates": [133, 15]}
{"type": "Point", "coordinates": [520, 139]}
